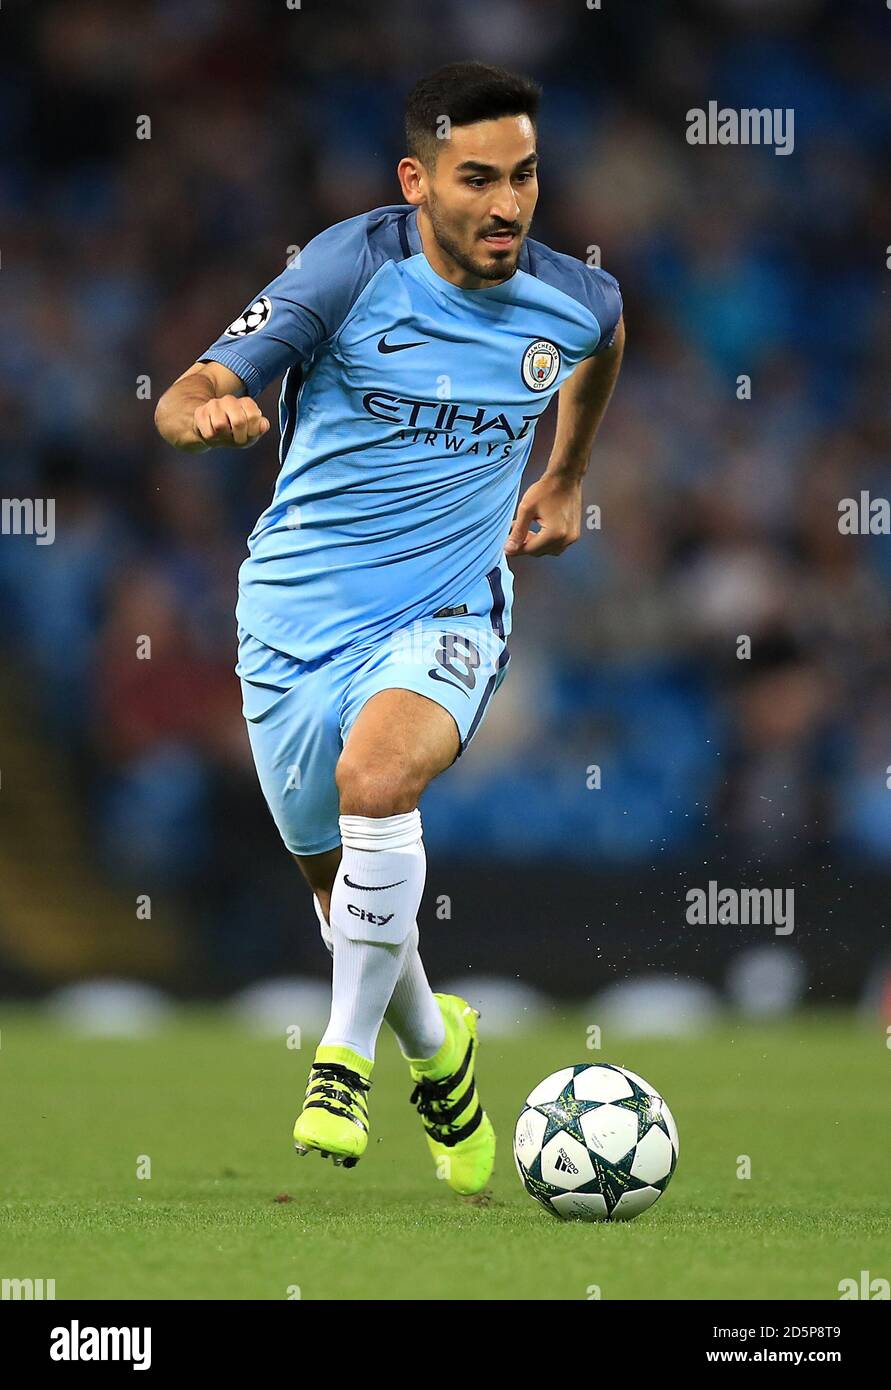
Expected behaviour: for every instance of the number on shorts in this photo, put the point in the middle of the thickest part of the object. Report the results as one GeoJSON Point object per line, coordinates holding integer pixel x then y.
{"type": "Point", "coordinates": [459, 657]}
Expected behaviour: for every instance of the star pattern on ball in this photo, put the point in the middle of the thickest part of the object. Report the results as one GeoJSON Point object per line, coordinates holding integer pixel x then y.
{"type": "Point", "coordinates": [564, 1115]}
{"type": "Point", "coordinates": [612, 1181]}
{"type": "Point", "coordinates": [646, 1107]}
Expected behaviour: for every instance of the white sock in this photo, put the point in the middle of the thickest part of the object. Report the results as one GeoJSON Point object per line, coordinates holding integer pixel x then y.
{"type": "Point", "coordinates": [412, 1013]}
{"type": "Point", "coordinates": [374, 904]}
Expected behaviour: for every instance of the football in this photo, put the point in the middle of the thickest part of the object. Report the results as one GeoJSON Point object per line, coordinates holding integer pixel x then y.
{"type": "Point", "coordinates": [595, 1143]}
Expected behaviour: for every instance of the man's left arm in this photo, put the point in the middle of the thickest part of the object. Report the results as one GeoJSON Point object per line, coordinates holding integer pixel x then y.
{"type": "Point", "coordinates": [555, 501]}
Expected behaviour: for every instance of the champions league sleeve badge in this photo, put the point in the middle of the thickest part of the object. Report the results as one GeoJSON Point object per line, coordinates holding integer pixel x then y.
{"type": "Point", "coordinates": [251, 321]}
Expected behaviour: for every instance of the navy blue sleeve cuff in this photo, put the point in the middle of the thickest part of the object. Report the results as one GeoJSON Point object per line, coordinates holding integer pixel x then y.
{"type": "Point", "coordinates": [228, 357]}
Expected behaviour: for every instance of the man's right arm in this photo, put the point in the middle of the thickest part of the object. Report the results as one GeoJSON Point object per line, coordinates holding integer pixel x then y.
{"type": "Point", "coordinates": [206, 408]}
{"type": "Point", "coordinates": [212, 405]}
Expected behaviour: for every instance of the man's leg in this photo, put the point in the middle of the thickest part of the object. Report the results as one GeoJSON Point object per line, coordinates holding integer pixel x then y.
{"type": "Point", "coordinates": [320, 871]}
{"type": "Point", "coordinates": [397, 744]}
{"type": "Point", "coordinates": [412, 1013]}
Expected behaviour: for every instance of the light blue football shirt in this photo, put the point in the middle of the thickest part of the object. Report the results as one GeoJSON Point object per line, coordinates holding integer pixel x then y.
{"type": "Point", "coordinates": [407, 413]}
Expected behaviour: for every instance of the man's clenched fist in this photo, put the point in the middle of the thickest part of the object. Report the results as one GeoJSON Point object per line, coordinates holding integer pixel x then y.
{"type": "Point", "coordinates": [230, 422]}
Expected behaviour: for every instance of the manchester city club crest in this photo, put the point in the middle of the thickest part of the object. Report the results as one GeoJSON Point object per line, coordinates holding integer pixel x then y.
{"type": "Point", "coordinates": [541, 363]}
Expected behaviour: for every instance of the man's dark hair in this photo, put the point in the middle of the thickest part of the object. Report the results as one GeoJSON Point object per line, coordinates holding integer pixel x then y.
{"type": "Point", "coordinates": [465, 92]}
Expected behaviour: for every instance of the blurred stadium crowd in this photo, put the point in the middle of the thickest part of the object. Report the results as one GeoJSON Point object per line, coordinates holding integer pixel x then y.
{"type": "Point", "coordinates": [124, 257]}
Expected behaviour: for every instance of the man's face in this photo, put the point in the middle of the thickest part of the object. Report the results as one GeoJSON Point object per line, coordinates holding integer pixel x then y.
{"type": "Point", "coordinates": [482, 193]}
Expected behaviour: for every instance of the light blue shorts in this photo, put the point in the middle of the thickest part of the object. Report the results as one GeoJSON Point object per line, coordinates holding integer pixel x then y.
{"type": "Point", "coordinates": [300, 713]}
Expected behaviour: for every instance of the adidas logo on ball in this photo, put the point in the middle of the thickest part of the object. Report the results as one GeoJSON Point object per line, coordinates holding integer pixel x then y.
{"type": "Point", "coordinates": [564, 1164]}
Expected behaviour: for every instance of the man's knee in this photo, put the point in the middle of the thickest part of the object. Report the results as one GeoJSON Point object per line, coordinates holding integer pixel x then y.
{"type": "Point", "coordinates": [376, 789]}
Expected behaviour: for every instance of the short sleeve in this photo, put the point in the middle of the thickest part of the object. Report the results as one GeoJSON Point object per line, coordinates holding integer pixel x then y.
{"type": "Point", "coordinates": [299, 310]}
{"type": "Point", "coordinates": [605, 302]}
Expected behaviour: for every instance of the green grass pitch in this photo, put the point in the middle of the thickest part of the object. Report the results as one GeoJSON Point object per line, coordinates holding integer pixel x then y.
{"type": "Point", "coordinates": [212, 1108]}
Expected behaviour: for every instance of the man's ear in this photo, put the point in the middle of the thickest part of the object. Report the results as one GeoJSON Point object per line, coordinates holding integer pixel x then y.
{"type": "Point", "coordinates": [410, 172]}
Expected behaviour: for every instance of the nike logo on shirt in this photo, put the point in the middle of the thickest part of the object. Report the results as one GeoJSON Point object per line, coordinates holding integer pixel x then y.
{"type": "Point", "coordinates": [384, 346]}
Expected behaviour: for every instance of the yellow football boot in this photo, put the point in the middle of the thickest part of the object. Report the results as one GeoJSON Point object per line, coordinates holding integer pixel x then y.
{"type": "Point", "coordinates": [459, 1132]}
{"type": "Point", "coordinates": [334, 1118]}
